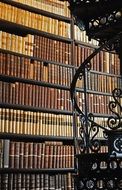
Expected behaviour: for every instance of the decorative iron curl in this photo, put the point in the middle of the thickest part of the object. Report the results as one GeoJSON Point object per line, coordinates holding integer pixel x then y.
{"type": "Point", "coordinates": [94, 130]}
{"type": "Point", "coordinates": [94, 143]}
{"type": "Point", "coordinates": [82, 132]}
{"type": "Point", "coordinates": [114, 122]}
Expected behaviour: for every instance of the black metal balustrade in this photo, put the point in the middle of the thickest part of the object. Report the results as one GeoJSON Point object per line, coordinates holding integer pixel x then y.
{"type": "Point", "coordinates": [102, 20]}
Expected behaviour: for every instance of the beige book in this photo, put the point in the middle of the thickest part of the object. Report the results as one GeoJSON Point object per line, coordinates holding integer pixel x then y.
{"type": "Point", "coordinates": [25, 125]}
{"type": "Point", "coordinates": [40, 124]}
{"type": "Point", "coordinates": [26, 21]}
{"type": "Point", "coordinates": [30, 19]}
{"type": "Point", "coordinates": [4, 40]}
{"type": "Point", "coordinates": [11, 120]}
{"type": "Point", "coordinates": [4, 10]}
{"type": "Point", "coordinates": [6, 120]}
{"type": "Point", "coordinates": [16, 121]}
{"type": "Point", "coordinates": [13, 129]}
{"type": "Point", "coordinates": [39, 22]}
{"type": "Point", "coordinates": [1, 39]}
{"type": "Point", "coordinates": [30, 126]}
{"type": "Point", "coordinates": [3, 120]}
{"type": "Point", "coordinates": [19, 44]}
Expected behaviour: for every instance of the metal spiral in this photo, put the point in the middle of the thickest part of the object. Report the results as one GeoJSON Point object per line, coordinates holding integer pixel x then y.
{"type": "Point", "coordinates": [89, 128]}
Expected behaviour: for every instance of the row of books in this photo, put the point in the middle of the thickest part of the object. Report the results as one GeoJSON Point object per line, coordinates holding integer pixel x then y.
{"type": "Point", "coordinates": [1, 153]}
{"type": "Point", "coordinates": [37, 46]}
{"type": "Point", "coordinates": [33, 20]}
{"type": "Point", "coordinates": [45, 97]}
{"type": "Point", "coordinates": [34, 95]}
{"type": "Point", "coordinates": [13, 65]}
{"type": "Point", "coordinates": [54, 50]}
{"type": "Point", "coordinates": [81, 36]}
{"type": "Point", "coordinates": [37, 181]}
{"type": "Point", "coordinates": [53, 6]}
{"type": "Point", "coordinates": [103, 61]}
{"type": "Point", "coordinates": [21, 67]}
{"type": "Point", "coordinates": [19, 44]}
{"type": "Point", "coordinates": [35, 123]}
{"type": "Point", "coordinates": [40, 155]}
{"type": "Point", "coordinates": [104, 83]}
{"type": "Point", "coordinates": [95, 103]}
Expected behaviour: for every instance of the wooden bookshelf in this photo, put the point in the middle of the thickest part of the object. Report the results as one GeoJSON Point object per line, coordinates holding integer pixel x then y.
{"type": "Point", "coordinates": [21, 30]}
{"type": "Point", "coordinates": [69, 53]}
{"type": "Point", "coordinates": [37, 10]}
{"type": "Point", "coordinates": [37, 171]}
{"type": "Point", "coordinates": [37, 138]}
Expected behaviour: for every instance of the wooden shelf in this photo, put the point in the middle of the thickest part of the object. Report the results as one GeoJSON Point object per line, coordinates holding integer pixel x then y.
{"type": "Point", "coordinates": [22, 30]}
{"type": "Point", "coordinates": [36, 10]}
{"type": "Point", "coordinates": [94, 92]}
{"type": "Point", "coordinates": [35, 138]}
{"type": "Point", "coordinates": [45, 110]}
{"type": "Point", "coordinates": [85, 44]}
{"type": "Point", "coordinates": [11, 79]}
{"type": "Point", "coordinates": [36, 58]}
{"type": "Point", "coordinates": [105, 74]}
{"type": "Point", "coordinates": [34, 109]}
{"type": "Point", "coordinates": [37, 171]}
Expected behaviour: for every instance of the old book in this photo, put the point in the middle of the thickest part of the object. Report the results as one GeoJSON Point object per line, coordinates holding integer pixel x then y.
{"type": "Point", "coordinates": [30, 155]}
{"type": "Point", "coordinates": [35, 155]}
{"type": "Point", "coordinates": [12, 155]}
{"type": "Point", "coordinates": [6, 146]}
{"type": "Point", "coordinates": [16, 154]}
{"type": "Point", "coordinates": [1, 153]}
{"type": "Point", "coordinates": [26, 153]}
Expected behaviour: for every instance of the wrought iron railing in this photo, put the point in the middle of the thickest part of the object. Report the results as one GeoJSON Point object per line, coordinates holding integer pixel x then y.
{"type": "Point", "coordinates": [89, 128]}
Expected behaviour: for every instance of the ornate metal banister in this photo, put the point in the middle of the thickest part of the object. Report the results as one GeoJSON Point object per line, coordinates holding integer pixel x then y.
{"type": "Point", "coordinates": [88, 117]}
{"type": "Point", "coordinates": [102, 20]}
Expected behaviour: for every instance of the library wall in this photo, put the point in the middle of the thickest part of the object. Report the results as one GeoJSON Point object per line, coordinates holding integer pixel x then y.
{"type": "Point", "coordinates": [36, 71]}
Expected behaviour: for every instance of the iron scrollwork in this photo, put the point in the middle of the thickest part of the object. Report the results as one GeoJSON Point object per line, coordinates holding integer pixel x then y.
{"type": "Point", "coordinates": [89, 129]}
{"type": "Point", "coordinates": [115, 122]}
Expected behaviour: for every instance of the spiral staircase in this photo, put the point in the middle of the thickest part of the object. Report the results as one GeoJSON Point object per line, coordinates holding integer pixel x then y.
{"type": "Point", "coordinates": [94, 169]}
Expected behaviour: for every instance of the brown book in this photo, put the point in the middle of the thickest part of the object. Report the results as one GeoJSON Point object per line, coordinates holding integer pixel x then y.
{"type": "Point", "coordinates": [39, 154]}
{"type": "Point", "coordinates": [32, 181]}
{"type": "Point", "coordinates": [46, 156]}
{"type": "Point", "coordinates": [21, 155]}
{"type": "Point", "coordinates": [16, 153]}
{"type": "Point", "coordinates": [37, 184]}
{"type": "Point", "coordinates": [12, 155]}
{"type": "Point", "coordinates": [51, 182]}
{"type": "Point", "coordinates": [4, 179]}
{"type": "Point", "coordinates": [30, 155]}
{"type": "Point", "coordinates": [42, 181]}
{"type": "Point", "coordinates": [46, 181]}
{"type": "Point", "coordinates": [56, 182]}
{"type": "Point", "coordinates": [25, 181]}
{"type": "Point", "coordinates": [19, 181]}
{"type": "Point", "coordinates": [55, 156]}
{"type": "Point", "coordinates": [35, 151]}
{"type": "Point", "coordinates": [26, 153]}
{"type": "Point", "coordinates": [51, 156]}
{"type": "Point", "coordinates": [43, 152]}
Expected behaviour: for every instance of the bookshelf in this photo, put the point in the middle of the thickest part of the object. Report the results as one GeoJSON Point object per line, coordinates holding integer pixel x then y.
{"type": "Point", "coordinates": [37, 65]}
